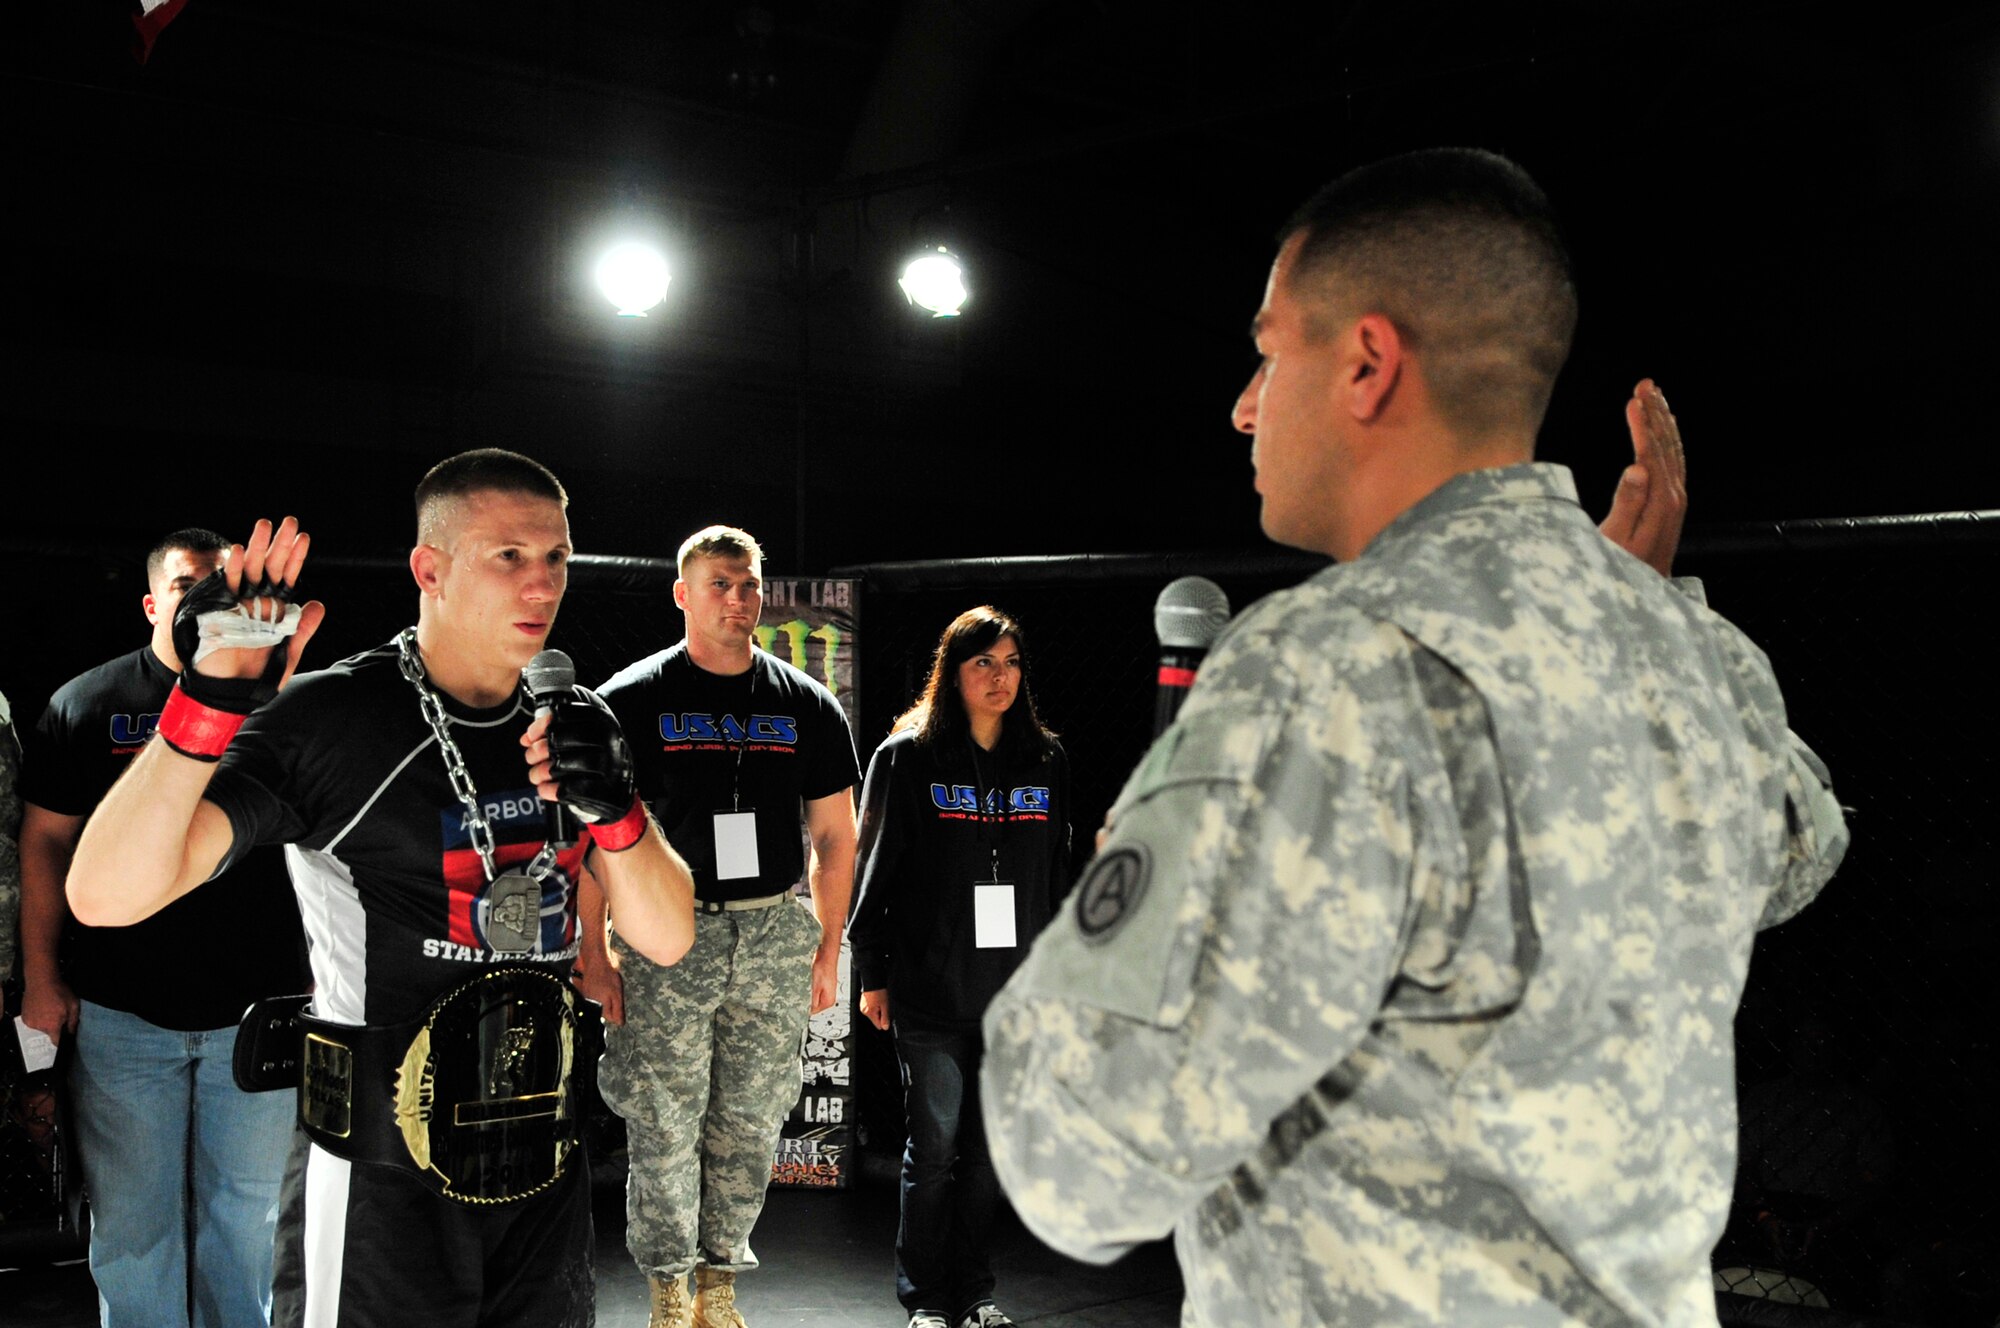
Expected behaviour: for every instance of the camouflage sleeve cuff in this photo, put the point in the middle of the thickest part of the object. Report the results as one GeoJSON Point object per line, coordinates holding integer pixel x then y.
{"type": "Point", "coordinates": [1692, 587]}
{"type": "Point", "coordinates": [1073, 1180]}
{"type": "Point", "coordinates": [1817, 836]}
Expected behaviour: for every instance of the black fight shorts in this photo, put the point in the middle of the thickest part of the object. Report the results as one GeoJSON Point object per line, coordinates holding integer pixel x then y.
{"type": "Point", "coordinates": [363, 1244]}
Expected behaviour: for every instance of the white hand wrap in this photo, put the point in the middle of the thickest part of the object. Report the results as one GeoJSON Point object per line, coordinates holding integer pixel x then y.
{"type": "Point", "coordinates": [237, 629]}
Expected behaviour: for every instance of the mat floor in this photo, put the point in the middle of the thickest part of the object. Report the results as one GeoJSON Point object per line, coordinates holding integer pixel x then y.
{"type": "Point", "coordinates": [827, 1259]}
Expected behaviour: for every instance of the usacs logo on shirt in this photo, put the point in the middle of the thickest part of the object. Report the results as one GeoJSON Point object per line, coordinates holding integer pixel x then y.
{"type": "Point", "coordinates": [129, 732]}
{"type": "Point", "coordinates": [1029, 802]}
{"type": "Point", "coordinates": [701, 730]}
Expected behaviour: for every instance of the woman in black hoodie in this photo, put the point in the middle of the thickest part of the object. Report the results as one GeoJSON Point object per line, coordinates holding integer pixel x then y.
{"type": "Point", "coordinates": [964, 857]}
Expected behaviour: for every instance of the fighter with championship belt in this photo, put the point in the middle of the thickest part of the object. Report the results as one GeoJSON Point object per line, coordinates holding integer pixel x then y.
{"type": "Point", "coordinates": [441, 1177]}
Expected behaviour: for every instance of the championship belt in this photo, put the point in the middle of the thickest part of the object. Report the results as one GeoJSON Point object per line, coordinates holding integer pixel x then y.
{"type": "Point", "coordinates": [475, 1097]}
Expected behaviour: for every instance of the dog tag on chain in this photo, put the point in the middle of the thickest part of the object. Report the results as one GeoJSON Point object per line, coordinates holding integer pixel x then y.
{"type": "Point", "coordinates": [513, 913]}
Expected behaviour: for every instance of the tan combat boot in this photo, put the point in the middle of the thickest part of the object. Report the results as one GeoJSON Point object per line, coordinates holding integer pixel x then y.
{"type": "Point", "coordinates": [715, 1299]}
{"type": "Point", "coordinates": [671, 1306]}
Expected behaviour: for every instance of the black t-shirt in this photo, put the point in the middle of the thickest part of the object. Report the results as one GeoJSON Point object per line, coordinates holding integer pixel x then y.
{"type": "Point", "coordinates": [201, 960]}
{"type": "Point", "coordinates": [707, 742]}
{"type": "Point", "coordinates": [936, 821]}
{"type": "Point", "coordinates": [344, 769]}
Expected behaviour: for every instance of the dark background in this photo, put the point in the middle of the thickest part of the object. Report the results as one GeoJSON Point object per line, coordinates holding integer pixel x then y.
{"type": "Point", "coordinates": [306, 251]}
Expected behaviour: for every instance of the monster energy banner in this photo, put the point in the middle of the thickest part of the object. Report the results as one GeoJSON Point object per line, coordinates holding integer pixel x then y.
{"type": "Point", "coordinates": [810, 624]}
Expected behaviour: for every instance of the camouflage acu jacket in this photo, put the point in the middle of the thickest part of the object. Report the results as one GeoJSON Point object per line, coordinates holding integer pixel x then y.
{"type": "Point", "coordinates": [1402, 990]}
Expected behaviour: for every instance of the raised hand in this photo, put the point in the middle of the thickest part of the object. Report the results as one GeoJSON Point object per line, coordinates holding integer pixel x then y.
{"type": "Point", "coordinates": [239, 638]}
{"type": "Point", "coordinates": [229, 625]}
{"type": "Point", "coordinates": [1651, 501]}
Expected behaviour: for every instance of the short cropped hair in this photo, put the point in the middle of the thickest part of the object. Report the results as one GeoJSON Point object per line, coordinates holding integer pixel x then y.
{"type": "Point", "coordinates": [718, 542]}
{"type": "Point", "coordinates": [1459, 249]}
{"type": "Point", "coordinates": [190, 539]}
{"type": "Point", "coordinates": [482, 470]}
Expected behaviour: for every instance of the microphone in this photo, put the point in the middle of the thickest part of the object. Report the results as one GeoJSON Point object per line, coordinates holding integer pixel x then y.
{"type": "Point", "coordinates": [1189, 614]}
{"type": "Point", "coordinates": [548, 678]}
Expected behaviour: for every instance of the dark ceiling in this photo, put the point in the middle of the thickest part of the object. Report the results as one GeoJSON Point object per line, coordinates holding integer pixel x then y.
{"type": "Point", "coordinates": [305, 251]}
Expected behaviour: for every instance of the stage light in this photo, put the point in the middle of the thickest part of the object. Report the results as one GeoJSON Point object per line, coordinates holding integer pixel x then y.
{"type": "Point", "coordinates": [633, 277]}
{"type": "Point", "coordinates": [935, 280]}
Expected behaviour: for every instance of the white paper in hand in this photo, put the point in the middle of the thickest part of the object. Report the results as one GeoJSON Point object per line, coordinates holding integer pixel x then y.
{"type": "Point", "coordinates": [37, 1052]}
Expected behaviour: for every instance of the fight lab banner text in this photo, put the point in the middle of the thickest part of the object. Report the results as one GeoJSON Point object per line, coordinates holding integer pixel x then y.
{"type": "Point", "coordinates": [810, 624]}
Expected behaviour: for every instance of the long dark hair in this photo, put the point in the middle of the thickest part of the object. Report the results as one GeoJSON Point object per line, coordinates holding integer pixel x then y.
{"type": "Point", "coordinates": [939, 714]}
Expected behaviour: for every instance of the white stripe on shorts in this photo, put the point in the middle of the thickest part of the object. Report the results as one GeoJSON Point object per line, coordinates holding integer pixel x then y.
{"type": "Point", "coordinates": [325, 1236]}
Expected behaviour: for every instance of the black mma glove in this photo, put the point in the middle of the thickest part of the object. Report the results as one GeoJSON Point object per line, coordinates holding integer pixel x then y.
{"type": "Point", "coordinates": [590, 761]}
{"type": "Point", "coordinates": [204, 712]}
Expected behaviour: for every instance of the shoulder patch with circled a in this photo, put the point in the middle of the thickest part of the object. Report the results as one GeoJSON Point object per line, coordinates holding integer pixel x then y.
{"type": "Point", "coordinates": [1110, 892]}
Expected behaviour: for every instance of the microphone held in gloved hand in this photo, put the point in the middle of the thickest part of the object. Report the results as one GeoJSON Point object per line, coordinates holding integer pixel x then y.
{"type": "Point", "coordinates": [549, 677]}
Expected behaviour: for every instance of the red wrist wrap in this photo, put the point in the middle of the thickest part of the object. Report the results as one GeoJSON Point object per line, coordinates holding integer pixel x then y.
{"type": "Point", "coordinates": [623, 833]}
{"type": "Point", "coordinates": [196, 730]}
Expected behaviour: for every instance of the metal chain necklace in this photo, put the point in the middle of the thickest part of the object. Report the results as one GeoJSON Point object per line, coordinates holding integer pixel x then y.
{"type": "Point", "coordinates": [514, 897]}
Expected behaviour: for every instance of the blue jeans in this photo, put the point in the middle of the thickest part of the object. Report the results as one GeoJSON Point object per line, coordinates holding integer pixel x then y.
{"type": "Point", "coordinates": [183, 1170]}
{"type": "Point", "coordinates": [950, 1194]}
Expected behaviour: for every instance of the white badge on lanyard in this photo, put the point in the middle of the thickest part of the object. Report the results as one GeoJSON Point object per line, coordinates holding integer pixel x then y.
{"type": "Point", "coordinates": [993, 915]}
{"type": "Point", "coordinates": [735, 845]}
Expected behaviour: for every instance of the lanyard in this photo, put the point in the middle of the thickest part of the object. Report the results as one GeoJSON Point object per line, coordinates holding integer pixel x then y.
{"type": "Point", "coordinates": [989, 833]}
{"type": "Point", "coordinates": [738, 748]}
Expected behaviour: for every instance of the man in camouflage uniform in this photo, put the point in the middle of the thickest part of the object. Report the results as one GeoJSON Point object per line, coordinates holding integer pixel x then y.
{"type": "Point", "coordinates": [1402, 987]}
{"type": "Point", "coordinates": [732, 747]}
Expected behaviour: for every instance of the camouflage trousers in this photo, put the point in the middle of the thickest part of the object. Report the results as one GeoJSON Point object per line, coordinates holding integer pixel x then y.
{"type": "Point", "coordinates": [704, 1071]}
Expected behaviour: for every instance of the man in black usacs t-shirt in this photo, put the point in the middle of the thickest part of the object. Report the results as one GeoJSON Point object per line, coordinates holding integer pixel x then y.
{"type": "Point", "coordinates": [171, 1148]}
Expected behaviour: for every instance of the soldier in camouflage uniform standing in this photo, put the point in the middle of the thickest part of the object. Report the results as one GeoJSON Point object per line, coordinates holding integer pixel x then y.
{"type": "Point", "coordinates": [1402, 987]}
{"type": "Point", "coordinates": [702, 1059]}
